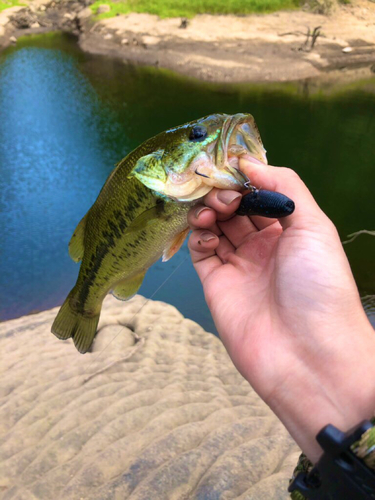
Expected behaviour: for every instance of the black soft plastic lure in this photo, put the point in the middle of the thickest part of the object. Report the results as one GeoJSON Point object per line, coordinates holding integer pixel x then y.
{"type": "Point", "coordinates": [266, 203]}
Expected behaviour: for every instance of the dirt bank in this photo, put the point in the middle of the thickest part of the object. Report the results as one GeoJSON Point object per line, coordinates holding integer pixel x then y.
{"type": "Point", "coordinates": [272, 47]}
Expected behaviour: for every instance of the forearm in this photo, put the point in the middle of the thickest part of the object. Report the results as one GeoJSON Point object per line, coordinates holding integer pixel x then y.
{"type": "Point", "coordinates": [338, 388]}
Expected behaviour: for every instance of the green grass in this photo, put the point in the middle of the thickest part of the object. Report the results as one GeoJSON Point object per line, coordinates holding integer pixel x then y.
{"type": "Point", "coordinates": [5, 4]}
{"type": "Point", "coordinates": [189, 8]}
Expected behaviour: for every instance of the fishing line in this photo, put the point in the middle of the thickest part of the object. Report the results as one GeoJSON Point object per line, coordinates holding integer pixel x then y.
{"type": "Point", "coordinates": [137, 312]}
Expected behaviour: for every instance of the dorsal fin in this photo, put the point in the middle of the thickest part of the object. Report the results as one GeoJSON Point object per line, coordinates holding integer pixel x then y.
{"type": "Point", "coordinates": [76, 243]}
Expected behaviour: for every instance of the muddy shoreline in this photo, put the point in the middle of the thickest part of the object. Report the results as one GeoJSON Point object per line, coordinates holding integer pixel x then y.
{"type": "Point", "coordinates": [258, 48]}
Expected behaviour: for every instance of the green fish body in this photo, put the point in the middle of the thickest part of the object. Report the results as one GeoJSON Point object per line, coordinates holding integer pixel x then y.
{"type": "Point", "coordinates": [141, 212]}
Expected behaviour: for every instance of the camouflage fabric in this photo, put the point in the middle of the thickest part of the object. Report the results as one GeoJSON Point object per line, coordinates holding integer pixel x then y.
{"type": "Point", "coordinates": [364, 448]}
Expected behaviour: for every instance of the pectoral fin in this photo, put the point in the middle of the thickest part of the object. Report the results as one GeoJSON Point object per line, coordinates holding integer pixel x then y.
{"type": "Point", "coordinates": [76, 243]}
{"type": "Point", "coordinates": [147, 219]}
{"type": "Point", "coordinates": [175, 245]}
{"type": "Point", "coordinates": [126, 289]}
{"type": "Point", "coordinates": [149, 170]}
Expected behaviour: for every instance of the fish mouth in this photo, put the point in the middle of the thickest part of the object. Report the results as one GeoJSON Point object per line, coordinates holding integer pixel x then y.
{"type": "Point", "coordinates": [239, 137]}
{"type": "Point", "coordinates": [218, 165]}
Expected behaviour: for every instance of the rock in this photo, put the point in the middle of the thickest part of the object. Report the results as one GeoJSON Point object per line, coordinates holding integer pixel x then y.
{"type": "Point", "coordinates": [24, 19]}
{"type": "Point", "coordinates": [84, 13]}
{"type": "Point", "coordinates": [108, 36]}
{"type": "Point", "coordinates": [102, 9]}
{"type": "Point", "coordinates": [150, 40]}
{"type": "Point", "coordinates": [124, 41]}
{"type": "Point", "coordinates": [35, 25]}
{"type": "Point", "coordinates": [42, 8]}
{"type": "Point", "coordinates": [170, 417]}
{"type": "Point", "coordinates": [13, 39]}
{"type": "Point", "coordinates": [347, 49]}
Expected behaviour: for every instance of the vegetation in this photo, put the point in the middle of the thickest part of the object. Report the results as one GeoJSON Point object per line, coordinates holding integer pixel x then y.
{"type": "Point", "coordinates": [324, 6]}
{"type": "Point", "coordinates": [5, 4]}
{"type": "Point", "coordinates": [189, 8]}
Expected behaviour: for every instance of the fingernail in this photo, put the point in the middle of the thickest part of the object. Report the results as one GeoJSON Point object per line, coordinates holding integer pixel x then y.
{"type": "Point", "coordinates": [227, 197]}
{"type": "Point", "coordinates": [207, 237]}
{"type": "Point", "coordinates": [199, 211]}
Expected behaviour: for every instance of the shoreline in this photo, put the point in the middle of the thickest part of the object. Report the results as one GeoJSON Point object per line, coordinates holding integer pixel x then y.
{"type": "Point", "coordinates": [224, 49]}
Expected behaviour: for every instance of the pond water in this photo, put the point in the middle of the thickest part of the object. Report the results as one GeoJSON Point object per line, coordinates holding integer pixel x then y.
{"type": "Point", "coordinates": [67, 117]}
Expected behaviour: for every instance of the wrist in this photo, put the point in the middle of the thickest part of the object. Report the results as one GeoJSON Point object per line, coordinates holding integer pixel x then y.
{"type": "Point", "coordinates": [338, 388]}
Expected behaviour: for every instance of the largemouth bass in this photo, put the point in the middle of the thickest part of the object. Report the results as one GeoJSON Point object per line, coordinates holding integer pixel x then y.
{"type": "Point", "coordinates": [141, 212]}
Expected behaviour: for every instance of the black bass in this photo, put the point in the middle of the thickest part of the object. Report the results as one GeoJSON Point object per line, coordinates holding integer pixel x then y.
{"type": "Point", "coordinates": [141, 212]}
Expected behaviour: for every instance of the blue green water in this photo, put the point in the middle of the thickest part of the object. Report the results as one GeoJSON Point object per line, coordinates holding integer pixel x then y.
{"type": "Point", "coordinates": [66, 118]}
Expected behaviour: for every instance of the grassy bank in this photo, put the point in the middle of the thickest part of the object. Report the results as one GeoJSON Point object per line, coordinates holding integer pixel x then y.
{"type": "Point", "coordinates": [6, 4]}
{"type": "Point", "coordinates": [189, 8]}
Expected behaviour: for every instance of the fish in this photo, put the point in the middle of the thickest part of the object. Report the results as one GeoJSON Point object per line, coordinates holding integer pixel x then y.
{"type": "Point", "coordinates": [141, 212]}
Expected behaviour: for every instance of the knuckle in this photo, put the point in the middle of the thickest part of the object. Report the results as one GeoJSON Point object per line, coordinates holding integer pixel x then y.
{"type": "Point", "coordinates": [210, 197]}
{"type": "Point", "coordinates": [331, 227]}
{"type": "Point", "coordinates": [289, 174]}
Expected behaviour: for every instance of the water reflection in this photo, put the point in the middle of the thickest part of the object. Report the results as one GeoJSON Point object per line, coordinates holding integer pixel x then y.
{"type": "Point", "coordinates": [66, 118]}
{"type": "Point", "coordinates": [53, 163]}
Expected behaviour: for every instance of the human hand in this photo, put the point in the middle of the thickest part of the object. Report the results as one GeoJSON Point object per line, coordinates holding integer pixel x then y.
{"type": "Point", "coordinates": [286, 306]}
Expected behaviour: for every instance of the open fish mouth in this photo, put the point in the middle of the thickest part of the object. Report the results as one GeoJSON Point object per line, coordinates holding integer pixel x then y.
{"type": "Point", "coordinates": [222, 141]}
{"type": "Point", "coordinates": [218, 166]}
{"type": "Point", "coordinates": [239, 136]}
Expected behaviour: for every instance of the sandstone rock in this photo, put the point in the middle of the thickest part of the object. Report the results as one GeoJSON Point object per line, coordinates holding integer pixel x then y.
{"type": "Point", "coordinates": [102, 9]}
{"type": "Point", "coordinates": [24, 19]}
{"type": "Point", "coordinates": [7, 14]}
{"type": "Point", "coordinates": [173, 419]}
{"type": "Point", "coordinates": [84, 13]}
{"type": "Point", "coordinates": [13, 39]}
{"type": "Point", "coordinates": [150, 40]}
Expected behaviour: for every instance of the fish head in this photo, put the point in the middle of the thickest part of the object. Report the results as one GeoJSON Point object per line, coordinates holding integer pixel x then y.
{"type": "Point", "coordinates": [190, 160]}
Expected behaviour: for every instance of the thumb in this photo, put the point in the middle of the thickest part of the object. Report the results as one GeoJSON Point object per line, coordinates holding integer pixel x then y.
{"type": "Point", "coordinates": [285, 181]}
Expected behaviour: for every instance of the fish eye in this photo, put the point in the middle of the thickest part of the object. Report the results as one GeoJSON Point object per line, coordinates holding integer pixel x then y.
{"type": "Point", "coordinates": [198, 133]}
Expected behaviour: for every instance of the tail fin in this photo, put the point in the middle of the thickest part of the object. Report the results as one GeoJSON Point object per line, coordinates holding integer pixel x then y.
{"type": "Point", "coordinates": [69, 323]}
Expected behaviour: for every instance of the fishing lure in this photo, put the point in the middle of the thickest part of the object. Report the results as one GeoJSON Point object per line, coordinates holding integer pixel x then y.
{"type": "Point", "coordinates": [266, 203]}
